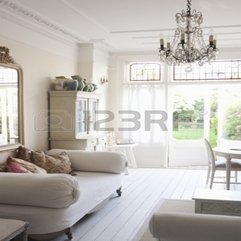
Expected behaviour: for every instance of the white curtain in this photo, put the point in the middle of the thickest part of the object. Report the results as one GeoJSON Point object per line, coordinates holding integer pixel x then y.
{"type": "Point", "coordinates": [143, 98]}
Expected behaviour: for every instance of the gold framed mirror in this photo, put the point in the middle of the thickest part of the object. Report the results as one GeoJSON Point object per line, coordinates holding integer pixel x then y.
{"type": "Point", "coordinates": [11, 102]}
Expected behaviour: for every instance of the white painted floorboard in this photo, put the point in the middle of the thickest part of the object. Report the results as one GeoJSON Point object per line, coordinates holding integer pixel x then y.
{"type": "Point", "coordinates": [122, 218]}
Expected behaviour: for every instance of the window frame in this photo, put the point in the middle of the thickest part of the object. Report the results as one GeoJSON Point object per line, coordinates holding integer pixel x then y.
{"type": "Point", "coordinates": [130, 80]}
{"type": "Point", "coordinates": [210, 79]}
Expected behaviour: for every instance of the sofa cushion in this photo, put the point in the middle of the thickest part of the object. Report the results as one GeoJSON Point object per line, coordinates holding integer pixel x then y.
{"type": "Point", "coordinates": [47, 190]}
{"type": "Point", "coordinates": [23, 153]}
{"type": "Point", "coordinates": [16, 167]}
{"type": "Point", "coordinates": [25, 164]}
{"type": "Point", "coordinates": [110, 162]}
{"type": "Point", "coordinates": [52, 163]}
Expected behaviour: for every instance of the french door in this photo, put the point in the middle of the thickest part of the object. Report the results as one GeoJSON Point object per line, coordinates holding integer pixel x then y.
{"type": "Point", "coordinates": [198, 111]}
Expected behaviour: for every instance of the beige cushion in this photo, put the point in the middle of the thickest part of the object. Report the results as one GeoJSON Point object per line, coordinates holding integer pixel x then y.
{"type": "Point", "coordinates": [58, 163]}
{"type": "Point", "coordinates": [46, 190]}
{"type": "Point", "coordinates": [111, 162]}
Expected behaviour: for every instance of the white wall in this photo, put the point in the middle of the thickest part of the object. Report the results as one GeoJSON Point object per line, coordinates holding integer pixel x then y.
{"type": "Point", "coordinates": [42, 56]}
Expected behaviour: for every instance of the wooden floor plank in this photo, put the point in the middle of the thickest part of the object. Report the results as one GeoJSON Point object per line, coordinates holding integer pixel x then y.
{"type": "Point", "coordinates": [174, 183]}
{"type": "Point", "coordinates": [192, 185]}
{"type": "Point", "coordinates": [183, 184]}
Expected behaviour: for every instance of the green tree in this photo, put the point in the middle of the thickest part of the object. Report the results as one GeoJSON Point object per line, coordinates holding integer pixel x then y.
{"type": "Point", "coordinates": [198, 107]}
{"type": "Point", "coordinates": [232, 126]}
{"type": "Point", "coordinates": [213, 119]}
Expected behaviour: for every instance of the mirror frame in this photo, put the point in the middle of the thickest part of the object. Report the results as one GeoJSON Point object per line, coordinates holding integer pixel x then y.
{"type": "Point", "coordinates": [7, 61]}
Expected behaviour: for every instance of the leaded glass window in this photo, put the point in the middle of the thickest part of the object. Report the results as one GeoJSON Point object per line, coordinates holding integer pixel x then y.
{"type": "Point", "coordinates": [145, 71]}
{"type": "Point", "coordinates": [217, 70]}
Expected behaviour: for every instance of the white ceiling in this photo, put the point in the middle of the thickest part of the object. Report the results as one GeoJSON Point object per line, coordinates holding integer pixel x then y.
{"type": "Point", "coordinates": [124, 25]}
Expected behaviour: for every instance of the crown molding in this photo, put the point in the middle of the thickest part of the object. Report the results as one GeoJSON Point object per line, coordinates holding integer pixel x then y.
{"type": "Point", "coordinates": [36, 19]}
{"type": "Point", "coordinates": [17, 13]}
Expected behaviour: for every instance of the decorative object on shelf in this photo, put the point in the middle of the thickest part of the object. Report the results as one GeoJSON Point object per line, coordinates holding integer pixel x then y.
{"type": "Point", "coordinates": [63, 83]}
{"type": "Point", "coordinates": [76, 83]}
{"type": "Point", "coordinates": [188, 45]}
{"type": "Point", "coordinates": [5, 58]}
{"type": "Point", "coordinates": [57, 84]}
{"type": "Point", "coordinates": [90, 87]}
{"type": "Point", "coordinates": [94, 87]}
{"type": "Point", "coordinates": [87, 88]}
{"type": "Point", "coordinates": [81, 82]}
{"type": "Point", "coordinates": [83, 85]}
{"type": "Point", "coordinates": [70, 84]}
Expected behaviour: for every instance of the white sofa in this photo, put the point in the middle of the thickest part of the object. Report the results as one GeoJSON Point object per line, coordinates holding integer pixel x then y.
{"type": "Point", "coordinates": [177, 221]}
{"type": "Point", "coordinates": [55, 202]}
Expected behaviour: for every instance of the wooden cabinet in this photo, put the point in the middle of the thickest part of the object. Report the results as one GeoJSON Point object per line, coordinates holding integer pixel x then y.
{"type": "Point", "coordinates": [72, 115]}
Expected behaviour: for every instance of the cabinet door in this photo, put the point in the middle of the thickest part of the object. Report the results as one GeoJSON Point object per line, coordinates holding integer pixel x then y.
{"type": "Point", "coordinates": [92, 108]}
{"type": "Point", "coordinates": [81, 117]}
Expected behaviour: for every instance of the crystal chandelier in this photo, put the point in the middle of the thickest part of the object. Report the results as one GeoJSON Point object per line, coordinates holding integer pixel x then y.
{"type": "Point", "coordinates": [188, 45]}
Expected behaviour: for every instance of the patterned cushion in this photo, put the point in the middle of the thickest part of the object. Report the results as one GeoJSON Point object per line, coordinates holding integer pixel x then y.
{"type": "Point", "coordinates": [52, 163]}
{"type": "Point", "coordinates": [16, 167]}
{"type": "Point", "coordinates": [27, 165]}
{"type": "Point", "coordinates": [23, 153]}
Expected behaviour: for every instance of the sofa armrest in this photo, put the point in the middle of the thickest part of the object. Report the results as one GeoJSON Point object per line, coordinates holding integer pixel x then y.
{"type": "Point", "coordinates": [195, 227]}
{"type": "Point", "coordinates": [99, 161]}
{"type": "Point", "coordinates": [42, 190]}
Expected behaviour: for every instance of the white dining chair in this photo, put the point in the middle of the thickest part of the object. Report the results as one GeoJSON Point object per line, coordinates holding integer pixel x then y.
{"type": "Point", "coordinates": [219, 164]}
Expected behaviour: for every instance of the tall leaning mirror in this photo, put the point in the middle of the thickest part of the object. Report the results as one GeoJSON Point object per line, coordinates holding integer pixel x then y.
{"type": "Point", "coordinates": [11, 102]}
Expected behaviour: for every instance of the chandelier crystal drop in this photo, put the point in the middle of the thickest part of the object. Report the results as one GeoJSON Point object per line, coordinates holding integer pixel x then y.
{"type": "Point", "coordinates": [188, 45]}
